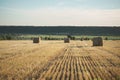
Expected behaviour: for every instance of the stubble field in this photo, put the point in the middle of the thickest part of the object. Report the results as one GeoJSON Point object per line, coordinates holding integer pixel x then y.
{"type": "Point", "coordinates": [56, 60]}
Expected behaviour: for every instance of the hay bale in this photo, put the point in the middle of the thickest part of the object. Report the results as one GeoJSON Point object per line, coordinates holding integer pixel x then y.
{"type": "Point", "coordinates": [97, 41]}
{"type": "Point", "coordinates": [66, 40]}
{"type": "Point", "coordinates": [36, 40]}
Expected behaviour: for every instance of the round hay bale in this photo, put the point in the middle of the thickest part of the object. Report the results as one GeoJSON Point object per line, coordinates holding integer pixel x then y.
{"type": "Point", "coordinates": [97, 41]}
{"type": "Point", "coordinates": [36, 40]}
{"type": "Point", "coordinates": [66, 40]}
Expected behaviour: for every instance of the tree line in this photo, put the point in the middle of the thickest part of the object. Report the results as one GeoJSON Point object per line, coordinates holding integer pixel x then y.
{"type": "Point", "coordinates": [19, 37]}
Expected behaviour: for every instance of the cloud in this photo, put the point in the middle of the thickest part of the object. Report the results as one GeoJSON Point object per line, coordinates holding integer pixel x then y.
{"type": "Point", "coordinates": [65, 16]}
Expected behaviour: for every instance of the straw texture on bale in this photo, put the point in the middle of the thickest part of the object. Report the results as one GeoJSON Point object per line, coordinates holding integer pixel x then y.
{"type": "Point", "coordinates": [36, 40]}
{"type": "Point", "coordinates": [97, 41]}
{"type": "Point", "coordinates": [66, 40]}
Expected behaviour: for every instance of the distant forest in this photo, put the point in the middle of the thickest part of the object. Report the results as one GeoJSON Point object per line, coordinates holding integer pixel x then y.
{"type": "Point", "coordinates": [58, 32]}
{"type": "Point", "coordinates": [61, 30]}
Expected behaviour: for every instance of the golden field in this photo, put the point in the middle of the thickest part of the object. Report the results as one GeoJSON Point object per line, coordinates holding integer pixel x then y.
{"type": "Point", "coordinates": [56, 60]}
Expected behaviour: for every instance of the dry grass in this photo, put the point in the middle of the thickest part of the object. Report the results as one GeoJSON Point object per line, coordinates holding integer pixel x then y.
{"type": "Point", "coordinates": [19, 58]}
{"type": "Point", "coordinates": [58, 61]}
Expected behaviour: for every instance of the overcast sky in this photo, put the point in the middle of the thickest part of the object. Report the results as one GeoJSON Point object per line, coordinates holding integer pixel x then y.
{"type": "Point", "coordinates": [60, 12]}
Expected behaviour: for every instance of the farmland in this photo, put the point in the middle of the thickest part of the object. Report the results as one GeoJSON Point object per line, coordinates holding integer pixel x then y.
{"type": "Point", "coordinates": [55, 60]}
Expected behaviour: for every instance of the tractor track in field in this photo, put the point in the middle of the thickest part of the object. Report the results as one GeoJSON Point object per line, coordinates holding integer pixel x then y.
{"type": "Point", "coordinates": [107, 64]}
{"type": "Point", "coordinates": [36, 72]}
{"type": "Point", "coordinates": [71, 61]}
{"type": "Point", "coordinates": [18, 56]}
{"type": "Point", "coordinates": [81, 67]}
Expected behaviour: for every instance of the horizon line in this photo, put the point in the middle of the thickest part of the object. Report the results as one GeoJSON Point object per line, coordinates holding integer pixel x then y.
{"type": "Point", "coordinates": [60, 25]}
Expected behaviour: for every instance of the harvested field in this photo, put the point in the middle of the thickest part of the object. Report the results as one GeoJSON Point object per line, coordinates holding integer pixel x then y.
{"type": "Point", "coordinates": [54, 60]}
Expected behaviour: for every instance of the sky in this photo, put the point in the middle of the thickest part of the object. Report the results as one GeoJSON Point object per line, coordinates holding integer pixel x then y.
{"type": "Point", "coordinates": [60, 12]}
